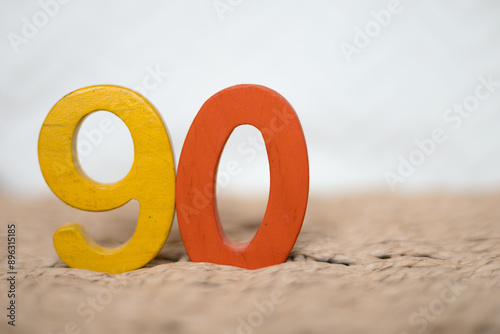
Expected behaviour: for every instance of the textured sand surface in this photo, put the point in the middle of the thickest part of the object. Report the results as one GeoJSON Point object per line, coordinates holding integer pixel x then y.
{"type": "Point", "coordinates": [363, 264]}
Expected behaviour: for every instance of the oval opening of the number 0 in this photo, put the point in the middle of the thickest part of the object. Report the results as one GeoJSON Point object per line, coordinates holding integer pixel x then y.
{"type": "Point", "coordinates": [199, 224]}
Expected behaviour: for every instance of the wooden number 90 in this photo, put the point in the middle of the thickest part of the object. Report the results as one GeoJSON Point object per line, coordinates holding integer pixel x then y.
{"type": "Point", "coordinates": [151, 179]}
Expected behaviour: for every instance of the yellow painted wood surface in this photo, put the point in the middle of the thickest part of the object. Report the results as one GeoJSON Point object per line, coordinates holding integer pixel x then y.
{"type": "Point", "coordinates": [151, 180]}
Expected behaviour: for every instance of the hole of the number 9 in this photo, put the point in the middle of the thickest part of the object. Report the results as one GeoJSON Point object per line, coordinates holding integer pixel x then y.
{"type": "Point", "coordinates": [243, 169]}
{"type": "Point", "coordinates": [104, 147]}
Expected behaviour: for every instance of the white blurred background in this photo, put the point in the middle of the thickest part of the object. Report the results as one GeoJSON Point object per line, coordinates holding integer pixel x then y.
{"type": "Point", "coordinates": [367, 78]}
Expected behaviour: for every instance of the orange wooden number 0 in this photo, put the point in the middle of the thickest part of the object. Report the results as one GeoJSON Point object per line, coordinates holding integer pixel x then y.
{"type": "Point", "coordinates": [200, 227]}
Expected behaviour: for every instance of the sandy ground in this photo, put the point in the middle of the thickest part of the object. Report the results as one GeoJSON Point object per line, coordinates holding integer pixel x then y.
{"type": "Point", "coordinates": [363, 264]}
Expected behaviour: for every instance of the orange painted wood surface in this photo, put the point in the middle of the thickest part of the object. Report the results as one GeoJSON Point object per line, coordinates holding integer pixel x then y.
{"type": "Point", "coordinates": [199, 223]}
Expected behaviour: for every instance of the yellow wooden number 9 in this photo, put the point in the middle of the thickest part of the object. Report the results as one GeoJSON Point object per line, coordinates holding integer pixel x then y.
{"type": "Point", "coordinates": [151, 180]}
